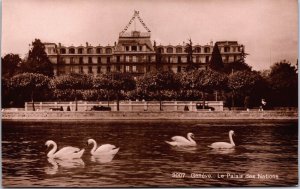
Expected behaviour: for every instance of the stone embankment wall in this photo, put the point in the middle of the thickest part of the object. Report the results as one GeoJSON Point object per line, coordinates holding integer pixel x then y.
{"type": "Point", "coordinates": [176, 115]}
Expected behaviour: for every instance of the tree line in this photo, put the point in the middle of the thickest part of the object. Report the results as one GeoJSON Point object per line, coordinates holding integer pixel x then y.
{"type": "Point", "coordinates": [32, 79]}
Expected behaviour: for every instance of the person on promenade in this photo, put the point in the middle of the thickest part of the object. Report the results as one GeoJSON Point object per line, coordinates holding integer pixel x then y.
{"type": "Point", "coordinates": [263, 105]}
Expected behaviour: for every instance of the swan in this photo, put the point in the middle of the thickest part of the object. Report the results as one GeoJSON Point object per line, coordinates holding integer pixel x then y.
{"type": "Point", "coordinates": [105, 149]}
{"type": "Point", "coordinates": [64, 153]}
{"type": "Point", "coordinates": [224, 145]}
{"type": "Point", "coordinates": [181, 141]}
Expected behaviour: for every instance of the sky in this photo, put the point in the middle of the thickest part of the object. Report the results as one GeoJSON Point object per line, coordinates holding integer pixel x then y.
{"type": "Point", "coordinates": [267, 28]}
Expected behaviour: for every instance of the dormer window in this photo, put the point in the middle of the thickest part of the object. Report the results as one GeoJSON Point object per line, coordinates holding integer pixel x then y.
{"type": "Point", "coordinates": [108, 51]}
{"type": "Point", "coordinates": [89, 50]}
{"type": "Point", "coordinates": [178, 50]}
{"type": "Point", "coordinates": [169, 50]}
{"type": "Point", "coordinates": [80, 51]}
{"type": "Point", "coordinates": [197, 50]}
{"type": "Point", "coordinates": [71, 51]}
{"type": "Point", "coordinates": [133, 48]}
{"type": "Point", "coordinates": [206, 49]}
{"type": "Point", "coordinates": [98, 50]}
{"type": "Point", "coordinates": [160, 50]}
{"type": "Point", "coordinates": [63, 51]}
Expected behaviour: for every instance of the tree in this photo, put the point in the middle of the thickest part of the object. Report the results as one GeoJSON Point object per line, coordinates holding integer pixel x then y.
{"type": "Point", "coordinates": [283, 76]}
{"type": "Point", "coordinates": [245, 83]}
{"type": "Point", "coordinates": [10, 65]}
{"type": "Point", "coordinates": [204, 81]}
{"type": "Point", "coordinates": [29, 83]}
{"type": "Point", "coordinates": [37, 60]}
{"type": "Point", "coordinates": [163, 81]}
{"type": "Point", "coordinates": [6, 95]}
{"type": "Point", "coordinates": [158, 83]}
{"type": "Point", "coordinates": [216, 62]}
{"type": "Point", "coordinates": [188, 82]}
{"type": "Point", "coordinates": [121, 82]}
{"type": "Point", "coordinates": [209, 81]}
{"type": "Point", "coordinates": [73, 82]}
{"type": "Point", "coordinates": [236, 66]}
{"type": "Point", "coordinates": [283, 80]}
{"type": "Point", "coordinates": [104, 82]}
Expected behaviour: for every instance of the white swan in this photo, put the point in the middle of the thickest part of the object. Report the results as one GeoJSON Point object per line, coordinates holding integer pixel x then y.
{"type": "Point", "coordinates": [224, 145]}
{"type": "Point", "coordinates": [181, 141]}
{"type": "Point", "coordinates": [105, 149]}
{"type": "Point", "coordinates": [64, 153]}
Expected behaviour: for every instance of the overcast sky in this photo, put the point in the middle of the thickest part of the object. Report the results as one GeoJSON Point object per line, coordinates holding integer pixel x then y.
{"type": "Point", "coordinates": [267, 28]}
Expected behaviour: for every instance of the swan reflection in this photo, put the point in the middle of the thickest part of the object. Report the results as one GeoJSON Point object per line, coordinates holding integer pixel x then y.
{"type": "Point", "coordinates": [102, 158]}
{"type": "Point", "coordinates": [223, 151]}
{"type": "Point", "coordinates": [189, 149]}
{"type": "Point", "coordinates": [63, 163]}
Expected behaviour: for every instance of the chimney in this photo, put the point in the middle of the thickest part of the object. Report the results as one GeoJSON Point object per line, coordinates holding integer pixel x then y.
{"type": "Point", "coordinates": [87, 44]}
{"type": "Point", "coordinates": [59, 45]}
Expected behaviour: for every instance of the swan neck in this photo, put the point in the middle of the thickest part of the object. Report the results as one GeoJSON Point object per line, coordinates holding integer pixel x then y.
{"type": "Point", "coordinates": [190, 139]}
{"type": "Point", "coordinates": [94, 147]}
{"type": "Point", "coordinates": [53, 150]}
{"type": "Point", "coordinates": [231, 140]}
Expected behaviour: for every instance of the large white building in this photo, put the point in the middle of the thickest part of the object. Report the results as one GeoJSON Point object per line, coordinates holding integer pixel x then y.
{"type": "Point", "coordinates": [135, 53]}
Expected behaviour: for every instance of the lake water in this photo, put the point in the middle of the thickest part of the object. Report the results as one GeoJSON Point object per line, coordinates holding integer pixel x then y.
{"type": "Point", "coordinates": [266, 152]}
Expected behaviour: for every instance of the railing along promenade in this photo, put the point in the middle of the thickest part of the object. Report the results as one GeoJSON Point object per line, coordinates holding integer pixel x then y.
{"type": "Point", "coordinates": [127, 105]}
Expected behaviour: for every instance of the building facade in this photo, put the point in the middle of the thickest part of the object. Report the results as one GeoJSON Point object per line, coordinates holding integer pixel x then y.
{"type": "Point", "coordinates": [134, 53]}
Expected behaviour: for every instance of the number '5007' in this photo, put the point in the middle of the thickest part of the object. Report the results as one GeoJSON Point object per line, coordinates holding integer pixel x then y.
{"type": "Point", "coordinates": [178, 175]}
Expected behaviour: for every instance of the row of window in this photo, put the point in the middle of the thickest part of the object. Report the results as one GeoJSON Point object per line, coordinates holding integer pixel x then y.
{"type": "Point", "coordinates": [234, 49]}
{"type": "Point", "coordinates": [131, 69]}
{"type": "Point", "coordinates": [135, 59]}
{"type": "Point", "coordinates": [134, 48]}
{"type": "Point", "coordinates": [179, 59]}
{"type": "Point", "coordinates": [88, 51]}
{"type": "Point", "coordinates": [180, 50]}
{"type": "Point", "coordinates": [195, 50]}
{"type": "Point", "coordinates": [139, 48]}
{"type": "Point", "coordinates": [108, 69]}
{"type": "Point", "coordinates": [90, 60]}
{"type": "Point", "coordinates": [108, 59]}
